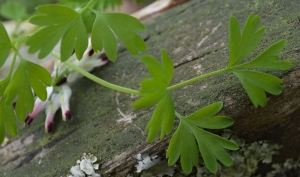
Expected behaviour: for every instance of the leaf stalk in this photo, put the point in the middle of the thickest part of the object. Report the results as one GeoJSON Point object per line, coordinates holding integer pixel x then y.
{"type": "Point", "coordinates": [101, 81]}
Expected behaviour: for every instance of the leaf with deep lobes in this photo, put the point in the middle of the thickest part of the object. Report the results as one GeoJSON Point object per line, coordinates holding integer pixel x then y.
{"type": "Point", "coordinates": [242, 44]}
{"type": "Point", "coordinates": [27, 76]}
{"type": "Point", "coordinates": [162, 119]}
{"type": "Point", "coordinates": [59, 22]}
{"type": "Point", "coordinates": [124, 26]}
{"type": "Point", "coordinates": [255, 83]}
{"type": "Point", "coordinates": [183, 142]}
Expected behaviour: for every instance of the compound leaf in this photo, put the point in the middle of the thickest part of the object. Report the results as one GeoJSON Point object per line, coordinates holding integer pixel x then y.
{"type": "Point", "coordinates": [27, 76]}
{"type": "Point", "coordinates": [255, 83]}
{"type": "Point", "coordinates": [211, 146]}
{"type": "Point", "coordinates": [241, 44]}
{"type": "Point", "coordinates": [153, 91]}
{"type": "Point", "coordinates": [107, 25]}
{"type": "Point", "coordinates": [5, 45]}
{"type": "Point", "coordinates": [58, 22]}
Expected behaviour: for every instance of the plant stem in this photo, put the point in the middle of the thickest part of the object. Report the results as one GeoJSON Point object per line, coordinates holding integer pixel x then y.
{"type": "Point", "coordinates": [178, 115]}
{"type": "Point", "coordinates": [100, 81]}
{"type": "Point", "coordinates": [87, 7]}
{"type": "Point", "coordinates": [11, 69]}
{"type": "Point", "coordinates": [198, 78]}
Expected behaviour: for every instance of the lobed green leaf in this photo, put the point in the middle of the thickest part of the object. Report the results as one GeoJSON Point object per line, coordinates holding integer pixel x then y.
{"type": "Point", "coordinates": [207, 111]}
{"type": "Point", "coordinates": [149, 99]}
{"type": "Point", "coordinates": [211, 146]}
{"type": "Point", "coordinates": [5, 45]}
{"type": "Point", "coordinates": [59, 22]}
{"type": "Point", "coordinates": [107, 25]}
{"type": "Point", "coordinates": [154, 89]}
{"type": "Point", "coordinates": [242, 44]}
{"type": "Point", "coordinates": [183, 145]}
{"type": "Point", "coordinates": [255, 83]}
{"type": "Point", "coordinates": [7, 119]}
{"type": "Point", "coordinates": [162, 118]}
{"type": "Point", "coordinates": [28, 75]}
{"type": "Point", "coordinates": [269, 59]}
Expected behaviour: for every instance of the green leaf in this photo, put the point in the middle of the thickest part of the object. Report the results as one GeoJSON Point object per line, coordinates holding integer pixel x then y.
{"type": "Point", "coordinates": [154, 89]}
{"type": "Point", "coordinates": [7, 116]}
{"type": "Point", "coordinates": [255, 83]}
{"type": "Point", "coordinates": [269, 59]}
{"type": "Point", "coordinates": [211, 146]}
{"type": "Point", "coordinates": [162, 118]}
{"type": "Point", "coordinates": [59, 22]}
{"type": "Point", "coordinates": [27, 76]}
{"type": "Point", "coordinates": [205, 117]}
{"type": "Point", "coordinates": [13, 11]}
{"type": "Point", "coordinates": [183, 145]}
{"type": "Point", "coordinates": [5, 45]}
{"type": "Point", "coordinates": [242, 44]}
{"type": "Point", "coordinates": [107, 25]}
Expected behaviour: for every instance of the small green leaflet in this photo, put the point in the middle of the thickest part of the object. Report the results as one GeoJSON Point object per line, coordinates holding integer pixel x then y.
{"type": "Point", "coordinates": [255, 83]}
{"type": "Point", "coordinates": [27, 76]}
{"type": "Point", "coordinates": [184, 141]}
{"type": "Point", "coordinates": [7, 119]}
{"type": "Point", "coordinates": [7, 115]}
{"type": "Point", "coordinates": [107, 25]}
{"type": "Point", "coordinates": [153, 91]}
{"type": "Point", "coordinates": [13, 11]}
{"type": "Point", "coordinates": [59, 22]}
{"type": "Point", "coordinates": [5, 45]}
{"type": "Point", "coordinates": [269, 59]}
{"type": "Point", "coordinates": [241, 45]}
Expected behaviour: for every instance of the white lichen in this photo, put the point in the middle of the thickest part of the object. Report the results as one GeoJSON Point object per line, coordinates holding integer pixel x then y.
{"type": "Point", "coordinates": [85, 167]}
{"type": "Point", "coordinates": [152, 165]}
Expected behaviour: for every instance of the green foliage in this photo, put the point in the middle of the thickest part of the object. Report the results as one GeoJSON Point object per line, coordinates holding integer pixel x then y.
{"type": "Point", "coordinates": [255, 83]}
{"type": "Point", "coordinates": [153, 91]}
{"type": "Point", "coordinates": [5, 45]}
{"type": "Point", "coordinates": [241, 45]}
{"type": "Point", "coordinates": [27, 76]}
{"type": "Point", "coordinates": [59, 22]}
{"type": "Point", "coordinates": [13, 11]}
{"type": "Point", "coordinates": [71, 27]}
{"type": "Point", "coordinates": [184, 142]}
{"type": "Point", "coordinates": [121, 25]}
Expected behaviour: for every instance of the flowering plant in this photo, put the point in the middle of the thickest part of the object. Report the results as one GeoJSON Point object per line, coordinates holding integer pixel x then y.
{"type": "Point", "coordinates": [190, 138]}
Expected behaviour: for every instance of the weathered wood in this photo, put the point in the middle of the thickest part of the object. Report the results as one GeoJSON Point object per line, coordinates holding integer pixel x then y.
{"type": "Point", "coordinates": [196, 36]}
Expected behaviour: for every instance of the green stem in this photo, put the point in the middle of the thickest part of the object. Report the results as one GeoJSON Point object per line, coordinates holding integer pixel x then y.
{"type": "Point", "coordinates": [87, 7]}
{"type": "Point", "coordinates": [198, 78]}
{"type": "Point", "coordinates": [100, 81]}
{"type": "Point", "coordinates": [13, 63]}
{"type": "Point", "coordinates": [178, 115]}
